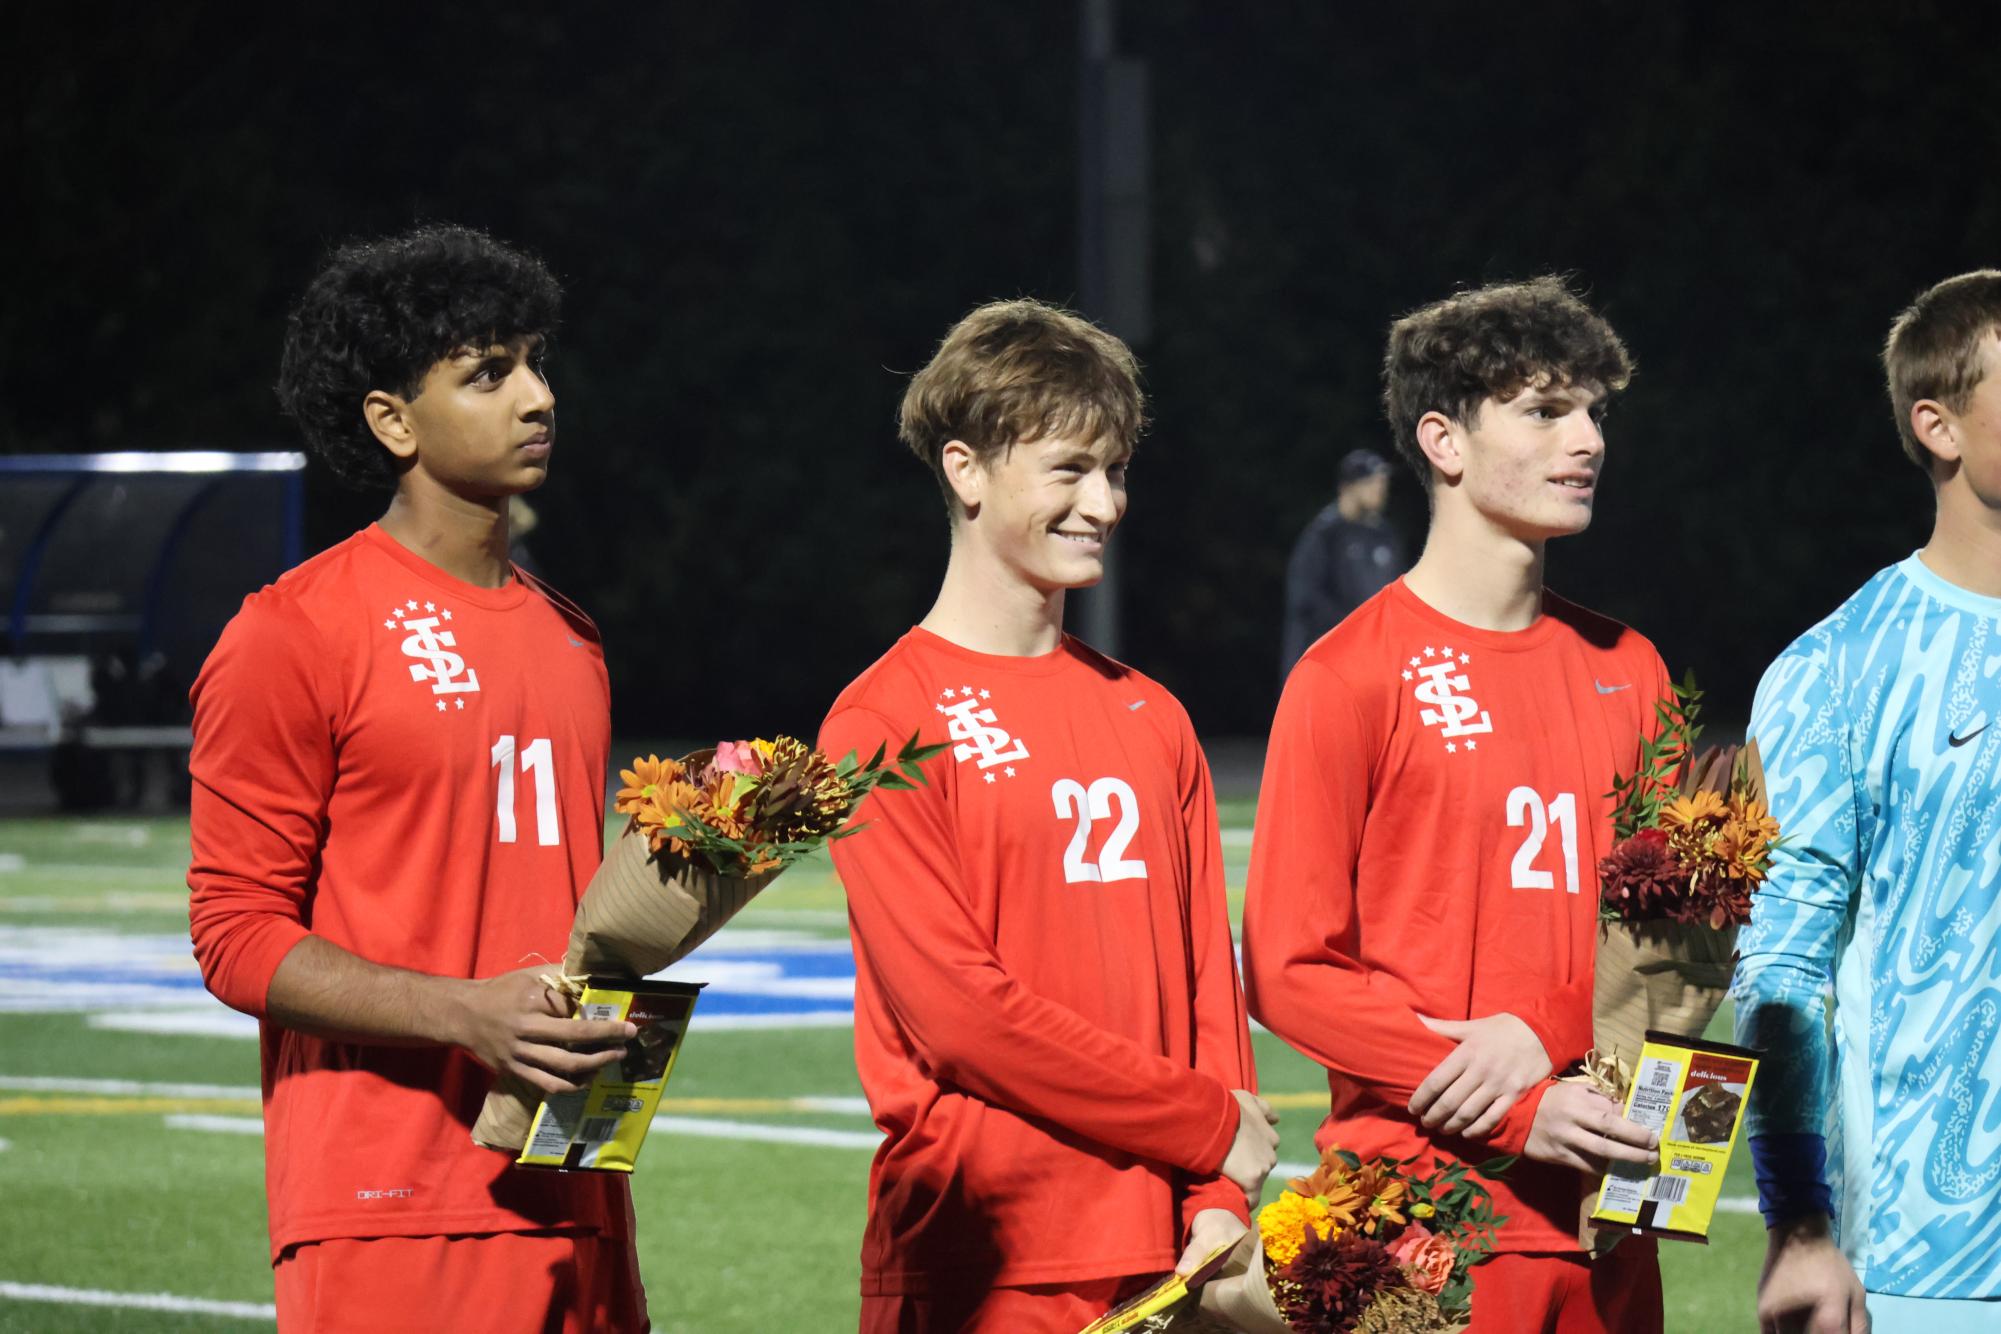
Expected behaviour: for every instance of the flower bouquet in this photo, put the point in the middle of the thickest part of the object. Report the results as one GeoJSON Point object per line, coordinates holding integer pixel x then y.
{"type": "Point", "coordinates": [1374, 1246]}
{"type": "Point", "coordinates": [1693, 842]}
{"type": "Point", "coordinates": [703, 835]}
{"type": "Point", "coordinates": [1694, 837]}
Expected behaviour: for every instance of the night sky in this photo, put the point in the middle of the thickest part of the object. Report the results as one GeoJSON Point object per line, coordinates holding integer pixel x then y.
{"type": "Point", "coordinates": [765, 217]}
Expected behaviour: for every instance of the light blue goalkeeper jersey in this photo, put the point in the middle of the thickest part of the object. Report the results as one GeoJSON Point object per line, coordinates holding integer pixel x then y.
{"type": "Point", "coordinates": [1881, 734]}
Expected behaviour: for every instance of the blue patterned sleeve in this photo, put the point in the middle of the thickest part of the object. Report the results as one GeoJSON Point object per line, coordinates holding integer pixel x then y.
{"type": "Point", "coordinates": [1786, 956]}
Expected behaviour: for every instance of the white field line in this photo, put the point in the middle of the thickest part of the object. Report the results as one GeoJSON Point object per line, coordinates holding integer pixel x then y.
{"type": "Point", "coordinates": [701, 1127]}
{"type": "Point", "coordinates": [124, 1087]}
{"type": "Point", "coordinates": [140, 1301]}
{"type": "Point", "coordinates": [221, 1125]}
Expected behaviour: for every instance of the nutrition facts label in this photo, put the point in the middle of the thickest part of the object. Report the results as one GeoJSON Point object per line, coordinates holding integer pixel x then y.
{"type": "Point", "coordinates": [1653, 1102]}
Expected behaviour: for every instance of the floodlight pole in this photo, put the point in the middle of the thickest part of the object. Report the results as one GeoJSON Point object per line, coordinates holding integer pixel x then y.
{"type": "Point", "coordinates": [1113, 237]}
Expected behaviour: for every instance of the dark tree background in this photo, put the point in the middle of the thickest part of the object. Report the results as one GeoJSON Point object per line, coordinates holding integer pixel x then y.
{"type": "Point", "coordinates": [766, 216]}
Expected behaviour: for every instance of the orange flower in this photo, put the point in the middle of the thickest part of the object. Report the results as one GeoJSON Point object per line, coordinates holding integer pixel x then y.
{"type": "Point", "coordinates": [1687, 812]}
{"type": "Point", "coordinates": [642, 780]}
{"type": "Point", "coordinates": [1426, 1257]}
{"type": "Point", "coordinates": [1383, 1194]}
{"type": "Point", "coordinates": [658, 815]}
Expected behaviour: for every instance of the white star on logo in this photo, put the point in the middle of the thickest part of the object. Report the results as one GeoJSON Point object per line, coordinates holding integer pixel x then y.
{"type": "Point", "coordinates": [461, 703]}
{"type": "Point", "coordinates": [939, 707]}
{"type": "Point", "coordinates": [432, 606]}
{"type": "Point", "coordinates": [389, 625]}
{"type": "Point", "coordinates": [947, 692]}
{"type": "Point", "coordinates": [395, 611]}
{"type": "Point", "coordinates": [448, 616]}
{"type": "Point", "coordinates": [1465, 657]}
{"type": "Point", "coordinates": [988, 777]}
{"type": "Point", "coordinates": [1416, 661]}
{"type": "Point", "coordinates": [967, 691]}
{"type": "Point", "coordinates": [441, 706]}
{"type": "Point", "coordinates": [1472, 745]}
{"type": "Point", "coordinates": [1009, 771]}
{"type": "Point", "coordinates": [1450, 748]}
{"type": "Point", "coordinates": [985, 694]}
{"type": "Point", "coordinates": [1447, 650]}
{"type": "Point", "coordinates": [411, 604]}
{"type": "Point", "coordinates": [1406, 673]}
{"type": "Point", "coordinates": [1429, 650]}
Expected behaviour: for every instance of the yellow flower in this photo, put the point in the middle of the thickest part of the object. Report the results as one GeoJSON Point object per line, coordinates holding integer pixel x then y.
{"type": "Point", "coordinates": [1686, 812]}
{"type": "Point", "coordinates": [1422, 1210]}
{"type": "Point", "coordinates": [1283, 1225]}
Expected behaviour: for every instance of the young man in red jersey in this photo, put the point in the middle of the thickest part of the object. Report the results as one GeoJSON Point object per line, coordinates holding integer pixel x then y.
{"type": "Point", "coordinates": [1048, 1023]}
{"type": "Point", "coordinates": [1423, 899]}
{"type": "Point", "coordinates": [399, 768]}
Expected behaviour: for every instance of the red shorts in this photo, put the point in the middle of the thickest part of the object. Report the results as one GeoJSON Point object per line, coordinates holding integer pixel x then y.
{"type": "Point", "coordinates": [1039, 1308]}
{"type": "Point", "coordinates": [1569, 1294]}
{"type": "Point", "coordinates": [530, 1282]}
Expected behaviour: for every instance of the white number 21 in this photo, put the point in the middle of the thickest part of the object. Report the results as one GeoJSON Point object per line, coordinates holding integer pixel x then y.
{"type": "Point", "coordinates": [1087, 804]}
{"type": "Point", "coordinates": [1525, 807]}
{"type": "Point", "coordinates": [537, 758]}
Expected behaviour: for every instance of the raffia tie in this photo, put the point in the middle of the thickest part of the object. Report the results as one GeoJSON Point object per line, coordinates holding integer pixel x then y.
{"type": "Point", "coordinates": [1606, 1072]}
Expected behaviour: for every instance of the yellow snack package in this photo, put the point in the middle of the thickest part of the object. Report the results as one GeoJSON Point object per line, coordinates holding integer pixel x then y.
{"type": "Point", "coordinates": [1164, 1295]}
{"type": "Point", "coordinates": [600, 1128]}
{"type": "Point", "coordinates": [1693, 1093]}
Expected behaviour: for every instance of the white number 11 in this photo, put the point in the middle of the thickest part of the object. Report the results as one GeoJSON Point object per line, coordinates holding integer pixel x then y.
{"type": "Point", "coordinates": [537, 758]}
{"type": "Point", "coordinates": [1525, 807]}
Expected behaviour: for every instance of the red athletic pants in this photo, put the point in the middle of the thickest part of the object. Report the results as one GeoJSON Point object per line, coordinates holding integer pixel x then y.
{"type": "Point", "coordinates": [500, 1282]}
{"type": "Point", "coordinates": [1042, 1308]}
{"type": "Point", "coordinates": [1568, 1294]}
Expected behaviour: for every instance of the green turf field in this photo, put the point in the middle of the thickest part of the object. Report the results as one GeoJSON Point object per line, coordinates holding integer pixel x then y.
{"type": "Point", "coordinates": [151, 1185]}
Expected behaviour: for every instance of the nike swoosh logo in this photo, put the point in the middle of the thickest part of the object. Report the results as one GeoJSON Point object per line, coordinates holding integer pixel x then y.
{"type": "Point", "coordinates": [1137, 705]}
{"type": "Point", "coordinates": [1610, 690]}
{"type": "Point", "coordinates": [1952, 740]}
{"type": "Point", "coordinates": [575, 643]}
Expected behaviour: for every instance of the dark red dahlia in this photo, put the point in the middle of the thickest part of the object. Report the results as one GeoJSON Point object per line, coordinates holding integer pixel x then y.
{"type": "Point", "coordinates": [1334, 1281]}
{"type": "Point", "coordinates": [1641, 879]}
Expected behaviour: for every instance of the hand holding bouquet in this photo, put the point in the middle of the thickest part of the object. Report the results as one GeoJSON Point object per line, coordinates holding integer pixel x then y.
{"type": "Point", "coordinates": [703, 835]}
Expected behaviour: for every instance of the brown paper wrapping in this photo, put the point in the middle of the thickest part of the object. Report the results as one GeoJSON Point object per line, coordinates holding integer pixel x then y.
{"type": "Point", "coordinates": [638, 915]}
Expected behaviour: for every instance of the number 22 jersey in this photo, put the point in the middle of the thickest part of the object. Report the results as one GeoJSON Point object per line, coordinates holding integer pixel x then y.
{"type": "Point", "coordinates": [412, 768]}
{"type": "Point", "coordinates": [1047, 1015]}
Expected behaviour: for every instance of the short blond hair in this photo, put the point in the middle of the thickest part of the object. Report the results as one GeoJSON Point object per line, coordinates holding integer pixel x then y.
{"type": "Point", "coordinates": [1933, 350]}
{"type": "Point", "coordinates": [1013, 372]}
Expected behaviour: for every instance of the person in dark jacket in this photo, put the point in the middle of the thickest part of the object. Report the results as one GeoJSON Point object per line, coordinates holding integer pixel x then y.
{"type": "Point", "coordinates": [1344, 557]}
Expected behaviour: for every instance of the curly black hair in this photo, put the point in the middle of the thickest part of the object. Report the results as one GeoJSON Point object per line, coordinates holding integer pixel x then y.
{"type": "Point", "coordinates": [381, 313]}
{"type": "Point", "coordinates": [1452, 355]}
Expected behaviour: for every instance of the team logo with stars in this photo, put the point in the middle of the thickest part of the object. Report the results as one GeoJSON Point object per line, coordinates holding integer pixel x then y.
{"type": "Point", "coordinates": [437, 663]}
{"type": "Point", "coordinates": [1440, 683]}
{"type": "Point", "coordinates": [970, 721]}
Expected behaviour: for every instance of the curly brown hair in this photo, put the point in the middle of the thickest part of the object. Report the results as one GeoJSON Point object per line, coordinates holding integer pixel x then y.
{"type": "Point", "coordinates": [1492, 342]}
{"type": "Point", "coordinates": [1933, 350]}
{"type": "Point", "coordinates": [1014, 372]}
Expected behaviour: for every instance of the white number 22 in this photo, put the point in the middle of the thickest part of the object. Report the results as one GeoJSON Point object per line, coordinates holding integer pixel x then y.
{"type": "Point", "coordinates": [537, 758]}
{"type": "Point", "coordinates": [1083, 804]}
{"type": "Point", "coordinates": [1525, 806]}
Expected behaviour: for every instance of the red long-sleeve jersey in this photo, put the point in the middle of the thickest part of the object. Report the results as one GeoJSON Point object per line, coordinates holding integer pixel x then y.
{"type": "Point", "coordinates": [1434, 805]}
{"type": "Point", "coordinates": [1047, 1015]}
{"type": "Point", "coordinates": [413, 768]}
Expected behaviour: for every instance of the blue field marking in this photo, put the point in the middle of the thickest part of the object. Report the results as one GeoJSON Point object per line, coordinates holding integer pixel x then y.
{"type": "Point", "coordinates": [762, 979]}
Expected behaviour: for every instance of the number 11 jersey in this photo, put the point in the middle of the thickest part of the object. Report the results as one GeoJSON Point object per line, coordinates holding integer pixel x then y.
{"type": "Point", "coordinates": [1047, 1015]}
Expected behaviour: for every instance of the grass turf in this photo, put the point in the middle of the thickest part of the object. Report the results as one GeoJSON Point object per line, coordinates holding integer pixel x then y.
{"type": "Point", "coordinates": [734, 1235]}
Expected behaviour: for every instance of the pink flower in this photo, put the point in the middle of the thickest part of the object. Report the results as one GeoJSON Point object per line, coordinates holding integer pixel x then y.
{"type": "Point", "coordinates": [737, 757]}
{"type": "Point", "coordinates": [1426, 1257]}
